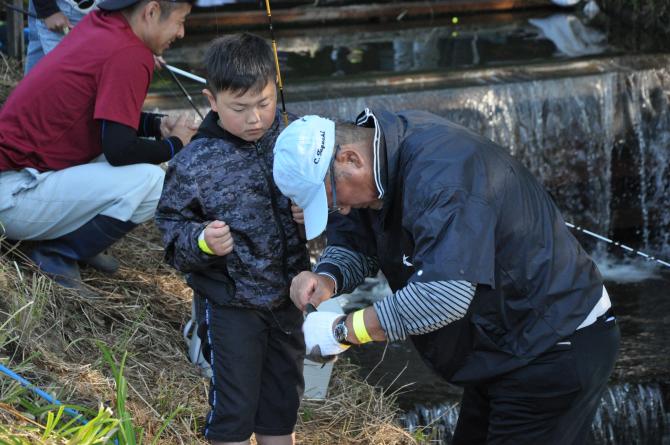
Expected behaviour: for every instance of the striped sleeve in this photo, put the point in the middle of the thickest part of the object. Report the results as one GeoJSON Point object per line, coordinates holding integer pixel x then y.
{"type": "Point", "coordinates": [422, 307]}
{"type": "Point", "coordinates": [347, 267]}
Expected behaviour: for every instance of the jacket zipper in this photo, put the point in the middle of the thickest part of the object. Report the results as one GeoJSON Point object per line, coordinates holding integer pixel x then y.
{"type": "Point", "coordinates": [275, 212]}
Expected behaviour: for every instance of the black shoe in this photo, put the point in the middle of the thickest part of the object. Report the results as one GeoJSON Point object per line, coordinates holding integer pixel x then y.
{"type": "Point", "coordinates": [58, 257]}
{"type": "Point", "coordinates": [62, 270]}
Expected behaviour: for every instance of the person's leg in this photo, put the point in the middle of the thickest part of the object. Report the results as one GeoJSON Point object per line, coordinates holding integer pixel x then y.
{"type": "Point", "coordinates": [596, 349]}
{"type": "Point", "coordinates": [275, 440]}
{"type": "Point", "coordinates": [526, 403]}
{"type": "Point", "coordinates": [237, 341]}
{"type": "Point", "coordinates": [282, 382]}
{"type": "Point", "coordinates": [216, 442]}
{"type": "Point", "coordinates": [553, 399]}
{"type": "Point", "coordinates": [473, 417]}
{"type": "Point", "coordinates": [58, 258]}
{"type": "Point", "coordinates": [44, 206]}
{"type": "Point", "coordinates": [76, 213]}
{"type": "Point", "coordinates": [34, 51]}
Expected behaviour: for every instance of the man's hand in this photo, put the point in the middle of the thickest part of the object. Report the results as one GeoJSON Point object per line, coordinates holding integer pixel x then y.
{"type": "Point", "coordinates": [309, 287]}
{"type": "Point", "coordinates": [297, 213]}
{"type": "Point", "coordinates": [218, 238]}
{"type": "Point", "coordinates": [58, 22]}
{"type": "Point", "coordinates": [159, 62]}
{"type": "Point", "coordinates": [319, 337]}
{"type": "Point", "coordinates": [182, 126]}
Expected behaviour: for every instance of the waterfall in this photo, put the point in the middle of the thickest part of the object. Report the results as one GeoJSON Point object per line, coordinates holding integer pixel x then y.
{"type": "Point", "coordinates": [628, 414]}
{"type": "Point", "coordinates": [598, 141]}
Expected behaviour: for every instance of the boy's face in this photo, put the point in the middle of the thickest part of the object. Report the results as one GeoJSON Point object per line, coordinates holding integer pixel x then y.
{"type": "Point", "coordinates": [248, 116]}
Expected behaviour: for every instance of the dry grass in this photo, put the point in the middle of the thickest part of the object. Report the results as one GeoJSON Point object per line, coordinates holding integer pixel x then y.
{"type": "Point", "coordinates": [354, 413]}
{"type": "Point", "coordinates": [10, 74]}
{"type": "Point", "coordinates": [51, 337]}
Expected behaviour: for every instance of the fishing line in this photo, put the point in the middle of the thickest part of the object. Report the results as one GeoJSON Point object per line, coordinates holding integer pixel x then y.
{"type": "Point", "coordinates": [618, 244]}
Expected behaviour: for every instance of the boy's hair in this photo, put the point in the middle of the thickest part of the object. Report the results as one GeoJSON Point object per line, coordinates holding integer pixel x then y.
{"type": "Point", "coordinates": [239, 63]}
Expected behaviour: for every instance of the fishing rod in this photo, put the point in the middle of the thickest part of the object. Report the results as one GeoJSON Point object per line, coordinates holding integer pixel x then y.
{"type": "Point", "coordinates": [274, 48]}
{"type": "Point", "coordinates": [183, 90]}
{"type": "Point", "coordinates": [186, 74]}
{"type": "Point", "coordinates": [618, 244]}
{"type": "Point", "coordinates": [280, 85]}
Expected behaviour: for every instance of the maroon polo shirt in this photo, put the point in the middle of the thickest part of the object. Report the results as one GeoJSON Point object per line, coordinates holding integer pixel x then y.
{"type": "Point", "coordinates": [51, 121]}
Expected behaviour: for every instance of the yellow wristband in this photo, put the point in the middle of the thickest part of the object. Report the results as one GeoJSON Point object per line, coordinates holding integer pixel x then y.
{"type": "Point", "coordinates": [204, 247]}
{"type": "Point", "coordinates": [359, 328]}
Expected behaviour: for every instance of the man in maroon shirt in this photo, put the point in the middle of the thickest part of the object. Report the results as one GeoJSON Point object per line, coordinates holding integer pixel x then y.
{"type": "Point", "coordinates": [74, 173]}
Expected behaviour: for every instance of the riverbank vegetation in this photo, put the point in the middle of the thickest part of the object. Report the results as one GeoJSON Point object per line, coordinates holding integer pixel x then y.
{"type": "Point", "coordinates": [119, 360]}
{"type": "Point", "coordinates": [10, 74]}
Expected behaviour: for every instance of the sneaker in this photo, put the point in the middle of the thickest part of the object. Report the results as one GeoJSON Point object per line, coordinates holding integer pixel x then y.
{"type": "Point", "coordinates": [195, 344]}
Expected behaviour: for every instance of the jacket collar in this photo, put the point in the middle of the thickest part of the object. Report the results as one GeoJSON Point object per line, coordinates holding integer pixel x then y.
{"type": "Point", "coordinates": [210, 128]}
{"type": "Point", "coordinates": [389, 130]}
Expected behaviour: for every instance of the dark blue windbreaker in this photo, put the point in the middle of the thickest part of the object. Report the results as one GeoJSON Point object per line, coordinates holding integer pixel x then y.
{"type": "Point", "coordinates": [219, 176]}
{"type": "Point", "coordinates": [459, 207]}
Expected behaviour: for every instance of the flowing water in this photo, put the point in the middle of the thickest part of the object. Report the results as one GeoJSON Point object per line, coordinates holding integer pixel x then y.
{"type": "Point", "coordinates": [586, 110]}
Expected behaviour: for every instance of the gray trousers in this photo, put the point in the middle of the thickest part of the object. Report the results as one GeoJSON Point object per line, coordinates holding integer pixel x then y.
{"type": "Point", "coordinates": [47, 205]}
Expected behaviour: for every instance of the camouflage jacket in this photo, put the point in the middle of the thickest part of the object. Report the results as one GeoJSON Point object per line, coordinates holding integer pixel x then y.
{"type": "Point", "coordinates": [219, 176]}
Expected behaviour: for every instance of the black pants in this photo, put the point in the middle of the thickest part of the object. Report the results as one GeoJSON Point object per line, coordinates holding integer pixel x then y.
{"type": "Point", "coordinates": [550, 401]}
{"type": "Point", "coordinates": [257, 359]}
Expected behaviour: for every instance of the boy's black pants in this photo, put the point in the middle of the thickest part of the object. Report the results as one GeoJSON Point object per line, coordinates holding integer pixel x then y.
{"type": "Point", "coordinates": [257, 360]}
{"type": "Point", "coordinates": [550, 401]}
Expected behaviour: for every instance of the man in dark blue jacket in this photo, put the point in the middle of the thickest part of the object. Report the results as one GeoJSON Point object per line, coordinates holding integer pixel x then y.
{"type": "Point", "coordinates": [488, 282]}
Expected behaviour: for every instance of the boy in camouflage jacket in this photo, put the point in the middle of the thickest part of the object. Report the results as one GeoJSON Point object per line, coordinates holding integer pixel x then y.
{"type": "Point", "coordinates": [226, 225]}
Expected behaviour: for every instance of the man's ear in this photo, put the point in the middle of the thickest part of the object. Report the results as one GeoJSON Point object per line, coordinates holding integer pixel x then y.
{"type": "Point", "coordinates": [211, 98]}
{"type": "Point", "coordinates": [152, 10]}
{"type": "Point", "coordinates": [350, 155]}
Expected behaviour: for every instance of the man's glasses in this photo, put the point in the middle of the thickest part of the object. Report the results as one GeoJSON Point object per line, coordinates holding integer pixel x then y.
{"type": "Point", "coordinates": [331, 169]}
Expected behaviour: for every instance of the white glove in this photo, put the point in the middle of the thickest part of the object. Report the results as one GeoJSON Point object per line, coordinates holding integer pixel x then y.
{"type": "Point", "coordinates": [318, 330]}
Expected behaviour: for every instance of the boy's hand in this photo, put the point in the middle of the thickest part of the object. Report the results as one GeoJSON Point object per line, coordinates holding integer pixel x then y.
{"type": "Point", "coordinates": [309, 287]}
{"type": "Point", "coordinates": [218, 238]}
{"type": "Point", "coordinates": [182, 126]}
{"type": "Point", "coordinates": [298, 215]}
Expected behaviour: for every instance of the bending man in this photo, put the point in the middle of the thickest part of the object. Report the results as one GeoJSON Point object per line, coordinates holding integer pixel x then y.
{"type": "Point", "coordinates": [488, 282]}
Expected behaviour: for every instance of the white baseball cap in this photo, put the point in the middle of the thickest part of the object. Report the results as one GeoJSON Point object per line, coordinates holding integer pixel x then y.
{"type": "Point", "coordinates": [302, 156]}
